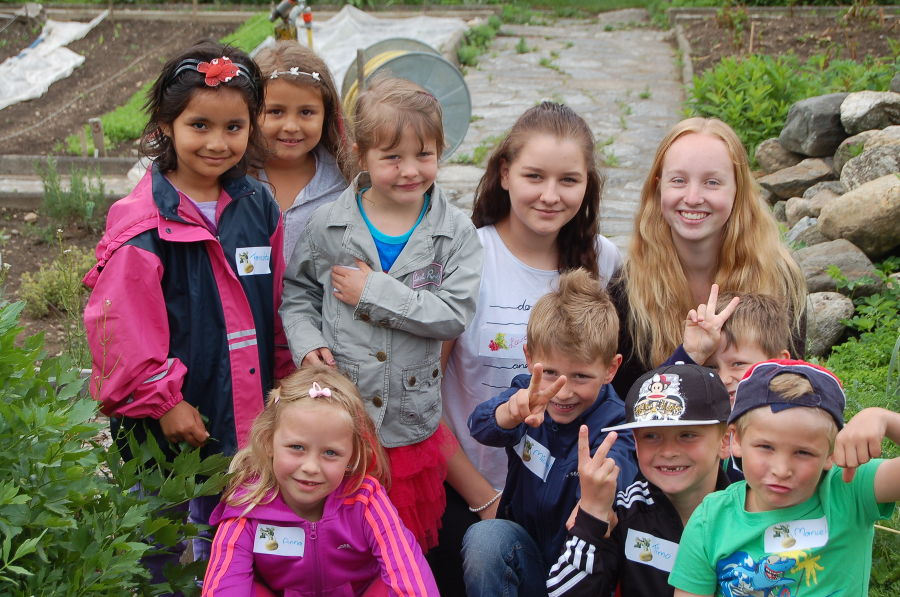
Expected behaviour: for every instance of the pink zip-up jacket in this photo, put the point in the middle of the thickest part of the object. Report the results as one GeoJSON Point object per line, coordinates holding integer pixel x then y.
{"type": "Point", "coordinates": [358, 540]}
{"type": "Point", "coordinates": [179, 312]}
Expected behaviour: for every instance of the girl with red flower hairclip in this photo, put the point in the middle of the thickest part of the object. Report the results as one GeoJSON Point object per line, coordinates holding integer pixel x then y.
{"type": "Point", "coordinates": [183, 319]}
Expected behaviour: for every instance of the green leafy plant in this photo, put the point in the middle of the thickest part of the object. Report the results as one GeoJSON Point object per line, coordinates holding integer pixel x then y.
{"type": "Point", "coordinates": [522, 47]}
{"type": "Point", "coordinates": [476, 41]}
{"type": "Point", "coordinates": [69, 524]}
{"type": "Point", "coordinates": [754, 94]}
{"type": "Point", "coordinates": [80, 205]}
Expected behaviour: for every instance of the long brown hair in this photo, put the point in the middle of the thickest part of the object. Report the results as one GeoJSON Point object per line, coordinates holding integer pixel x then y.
{"type": "Point", "coordinates": [576, 241]}
{"type": "Point", "coordinates": [254, 478]}
{"type": "Point", "coordinates": [752, 257]}
{"type": "Point", "coordinates": [285, 55]}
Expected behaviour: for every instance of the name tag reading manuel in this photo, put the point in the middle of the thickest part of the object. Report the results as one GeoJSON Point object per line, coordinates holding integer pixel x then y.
{"type": "Point", "coordinates": [535, 457]}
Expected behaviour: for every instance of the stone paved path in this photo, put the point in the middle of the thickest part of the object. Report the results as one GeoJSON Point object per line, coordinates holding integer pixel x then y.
{"type": "Point", "coordinates": [619, 75]}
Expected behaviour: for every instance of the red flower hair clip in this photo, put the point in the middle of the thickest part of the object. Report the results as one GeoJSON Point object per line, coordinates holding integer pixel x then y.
{"type": "Point", "coordinates": [218, 70]}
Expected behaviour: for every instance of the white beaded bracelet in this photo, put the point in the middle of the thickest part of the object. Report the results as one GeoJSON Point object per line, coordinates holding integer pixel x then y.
{"type": "Point", "coordinates": [487, 505]}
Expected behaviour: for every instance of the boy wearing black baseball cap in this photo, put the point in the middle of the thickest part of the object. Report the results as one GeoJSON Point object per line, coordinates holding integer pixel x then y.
{"type": "Point", "coordinates": [677, 414]}
{"type": "Point", "coordinates": [794, 526]}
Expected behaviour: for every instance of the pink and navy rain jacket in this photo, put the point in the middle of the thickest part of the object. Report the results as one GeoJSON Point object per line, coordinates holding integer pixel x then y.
{"type": "Point", "coordinates": [176, 313]}
{"type": "Point", "coordinates": [358, 540]}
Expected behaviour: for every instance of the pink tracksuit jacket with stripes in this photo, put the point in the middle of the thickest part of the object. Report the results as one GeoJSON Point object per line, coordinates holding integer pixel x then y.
{"type": "Point", "coordinates": [358, 540]}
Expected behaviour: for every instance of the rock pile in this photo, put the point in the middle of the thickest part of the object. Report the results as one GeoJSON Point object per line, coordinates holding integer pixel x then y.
{"type": "Point", "coordinates": [833, 178]}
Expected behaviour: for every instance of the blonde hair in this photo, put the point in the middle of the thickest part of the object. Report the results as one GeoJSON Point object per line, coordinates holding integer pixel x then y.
{"type": "Point", "coordinates": [751, 257]}
{"type": "Point", "coordinates": [578, 318]}
{"type": "Point", "coordinates": [758, 319]}
{"type": "Point", "coordinates": [791, 386]}
{"type": "Point", "coordinates": [254, 481]}
{"type": "Point", "coordinates": [388, 107]}
{"type": "Point", "coordinates": [285, 55]}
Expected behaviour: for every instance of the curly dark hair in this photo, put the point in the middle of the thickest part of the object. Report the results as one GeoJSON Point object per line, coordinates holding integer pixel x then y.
{"type": "Point", "coordinates": [174, 89]}
{"type": "Point", "coordinates": [577, 238]}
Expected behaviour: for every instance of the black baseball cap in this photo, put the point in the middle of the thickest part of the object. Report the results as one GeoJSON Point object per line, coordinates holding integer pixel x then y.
{"type": "Point", "coordinates": [676, 395]}
{"type": "Point", "coordinates": [753, 390]}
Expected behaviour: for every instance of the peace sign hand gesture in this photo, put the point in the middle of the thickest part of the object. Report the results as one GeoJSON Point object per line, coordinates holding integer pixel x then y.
{"type": "Point", "coordinates": [597, 475]}
{"type": "Point", "coordinates": [703, 327]}
{"type": "Point", "coordinates": [528, 405]}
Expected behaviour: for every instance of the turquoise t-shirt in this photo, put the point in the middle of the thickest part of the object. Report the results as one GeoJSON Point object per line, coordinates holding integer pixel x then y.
{"type": "Point", "coordinates": [389, 247]}
{"type": "Point", "coordinates": [820, 547]}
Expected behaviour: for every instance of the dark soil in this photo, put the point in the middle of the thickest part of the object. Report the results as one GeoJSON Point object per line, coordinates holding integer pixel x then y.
{"type": "Point", "coordinates": [120, 57]}
{"type": "Point", "coordinates": [837, 36]}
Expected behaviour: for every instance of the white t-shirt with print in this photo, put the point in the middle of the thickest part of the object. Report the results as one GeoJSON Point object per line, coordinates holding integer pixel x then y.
{"type": "Point", "coordinates": [489, 353]}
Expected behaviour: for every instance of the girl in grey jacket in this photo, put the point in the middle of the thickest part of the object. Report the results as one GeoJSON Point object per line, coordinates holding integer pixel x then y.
{"type": "Point", "coordinates": [380, 278]}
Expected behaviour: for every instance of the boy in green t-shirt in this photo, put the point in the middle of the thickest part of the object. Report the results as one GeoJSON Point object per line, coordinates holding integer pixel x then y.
{"type": "Point", "coordinates": [796, 526]}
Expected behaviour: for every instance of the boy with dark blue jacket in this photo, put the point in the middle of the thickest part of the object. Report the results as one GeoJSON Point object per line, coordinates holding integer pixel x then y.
{"type": "Point", "coordinates": [571, 355]}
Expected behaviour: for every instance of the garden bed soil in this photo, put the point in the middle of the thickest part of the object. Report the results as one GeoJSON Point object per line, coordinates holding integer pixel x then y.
{"type": "Point", "coordinates": [122, 55]}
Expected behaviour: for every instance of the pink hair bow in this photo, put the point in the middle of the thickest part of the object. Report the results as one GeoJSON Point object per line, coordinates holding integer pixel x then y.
{"type": "Point", "coordinates": [317, 391]}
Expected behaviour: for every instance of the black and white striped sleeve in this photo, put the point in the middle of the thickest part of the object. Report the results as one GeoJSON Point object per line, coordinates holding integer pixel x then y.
{"type": "Point", "coordinates": [588, 564]}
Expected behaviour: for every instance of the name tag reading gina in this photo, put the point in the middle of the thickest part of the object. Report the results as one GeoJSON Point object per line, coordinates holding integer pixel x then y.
{"type": "Point", "coordinates": [279, 541]}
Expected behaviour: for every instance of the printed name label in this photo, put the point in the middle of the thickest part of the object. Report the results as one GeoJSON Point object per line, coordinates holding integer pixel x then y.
{"type": "Point", "coordinates": [431, 274]}
{"type": "Point", "coordinates": [795, 535]}
{"type": "Point", "coordinates": [498, 343]}
{"type": "Point", "coordinates": [644, 548]}
{"type": "Point", "coordinates": [253, 261]}
{"type": "Point", "coordinates": [535, 457]}
{"type": "Point", "coordinates": [279, 541]}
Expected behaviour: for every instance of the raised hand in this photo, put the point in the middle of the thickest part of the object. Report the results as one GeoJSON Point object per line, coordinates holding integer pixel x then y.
{"type": "Point", "coordinates": [860, 440]}
{"type": "Point", "coordinates": [597, 475]}
{"type": "Point", "coordinates": [528, 405]}
{"type": "Point", "coordinates": [703, 326]}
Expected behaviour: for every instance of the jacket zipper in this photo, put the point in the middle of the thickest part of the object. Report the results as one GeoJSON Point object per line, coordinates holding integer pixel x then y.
{"type": "Point", "coordinates": [317, 570]}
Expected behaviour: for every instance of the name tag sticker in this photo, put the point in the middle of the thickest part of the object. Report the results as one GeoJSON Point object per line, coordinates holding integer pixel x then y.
{"type": "Point", "coordinates": [279, 541]}
{"type": "Point", "coordinates": [644, 548]}
{"type": "Point", "coordinates": [502, 342]}
{"type": "Point", "coordinates": [430, 274]}
{"type": "Point", "coordinates": [535, 457]}
{"type": "Point", "coordinates": [795, 535]}
{"type": "Point", "coordinates": [253, 261]}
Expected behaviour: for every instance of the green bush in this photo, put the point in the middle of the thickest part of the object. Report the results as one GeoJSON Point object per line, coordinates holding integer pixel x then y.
{"type": "Point", "coordinates": [864, 364]}
{"type": "Point", "coordinates": [57, 286]}
{"type": "Point", "coordinates": [69, 525]}
{"type": "Point", "coordinates": [753, 94]}
{"type": "Point", "coordinates": [81, 205]}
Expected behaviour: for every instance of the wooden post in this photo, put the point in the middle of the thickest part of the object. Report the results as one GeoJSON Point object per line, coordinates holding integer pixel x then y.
{"type": "Point", "coordinates": [97, 136]}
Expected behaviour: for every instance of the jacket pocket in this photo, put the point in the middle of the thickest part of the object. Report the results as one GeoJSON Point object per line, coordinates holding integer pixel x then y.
{"type": "Point", "coordinates": [348, 368]}
{"type": "Point", "coordinates": [421, 393]}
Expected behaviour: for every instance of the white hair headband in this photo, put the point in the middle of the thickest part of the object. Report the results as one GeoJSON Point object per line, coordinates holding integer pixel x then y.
{"type": "Point", "coordinates": [295, 71]}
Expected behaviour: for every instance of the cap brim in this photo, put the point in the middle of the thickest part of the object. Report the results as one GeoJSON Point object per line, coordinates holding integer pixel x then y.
{"type": "Point", "coordinates": [660, 423]}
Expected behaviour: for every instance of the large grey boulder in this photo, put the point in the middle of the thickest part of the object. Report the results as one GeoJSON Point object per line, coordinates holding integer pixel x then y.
{"type": "Point", "coordinates": [813, 126]}
{"type": "Point", "coordinates": [772, 156]}
{"type": "Point", "coordinates": [868, 216]}
{"type": "Point", "coordinates": [865, 110]}
{"type": "Point", "coordinates": [824, 313]}
{"type": "Point", "coordinates": [871, 164]}
{"type": "Point", "coordinates": [835, 186]}
{"type": "Point", "coordinates": [793, 181]}
{"type": "Point", "coordinates": [816, 260]}
{"type": "Point", "coordinates": [855, 145]}
{"type": "Point", "coordinates": [805, 233]}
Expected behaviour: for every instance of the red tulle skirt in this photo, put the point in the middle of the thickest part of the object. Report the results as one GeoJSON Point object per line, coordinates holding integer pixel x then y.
{"type": "Point", "coordinates": [418, 472]}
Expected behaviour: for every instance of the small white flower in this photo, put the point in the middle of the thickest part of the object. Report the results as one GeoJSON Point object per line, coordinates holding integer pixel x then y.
{"type": "Point", "coordinates": [316, 76]}
{"type": "Point", "coordinates": [295, 70]}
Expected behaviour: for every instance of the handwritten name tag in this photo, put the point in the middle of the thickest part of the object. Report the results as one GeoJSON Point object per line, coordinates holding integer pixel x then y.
{"type": "Point", "coordinates": [253, 261]}
{"type": "Point", "coordinates": [795, 535]}
{"type": "Point", "coordinates": [645, 548]}
{"type": "Point", "coordinates": [535, 457]}
{"type": "Point", "coordinates": [279, 541]}
{"type": "Point", "coordinates": [430, 274]}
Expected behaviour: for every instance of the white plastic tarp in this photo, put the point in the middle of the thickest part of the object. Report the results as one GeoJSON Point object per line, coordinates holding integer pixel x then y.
{"type": "Point", "coordinates": [337, 39]}
{"type": "Point", "coordinates": [30, 73]}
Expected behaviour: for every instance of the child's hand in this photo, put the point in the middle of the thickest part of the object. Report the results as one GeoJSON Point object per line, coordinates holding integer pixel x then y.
{"type": "Point", "coordinates": [182, 423]}
{"type": "Point", "coordinates": [860, 440]}
{"type": "Point", "coordinates": [597, 475]}
{"type": "Point", "coordinates": [319, 356]}
{"type": "Point", "coordinates": [348, 282]}
{"type": "Point", "coordinates": [528, 405]}
{"type": "Point", "coordinates": [703, 327]}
